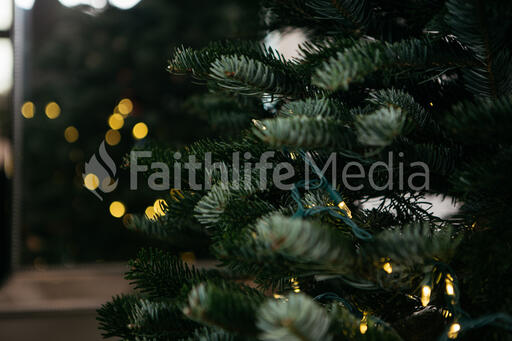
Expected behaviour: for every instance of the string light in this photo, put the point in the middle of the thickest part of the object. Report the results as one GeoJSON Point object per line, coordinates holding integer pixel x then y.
{"type": "Point", "coordinates": [150, 213]}
{"type": "Point", "coordinates": [259, 125]}
{"type": "Point", "coordinates": [425, 295]}
{"type": "Point", "coordinates": [71, 134]}
{"type": "Point", "coordinates": [387, 267]}
{"type": "Point", "coordinates": [363, 326]}
{"type": "Point", "coordinates": [295, 285]}
{"type": "Point", "coordinates": [125, 106]}
{"type": "Point", "coordinates": [140, 130]}
{"type": "Point", "coordinates": [454, 330]}
{"type": "Point", "coordinates": [431, 104]}
{"type": "Point", "coordinates": [116, 121]}
{"type": "Point", "coordinates": [52, 110]}
{"type": "Point", "coordinates": [91, 181]}
{"type": "Point", "coordinates": [176, 194]}
{"type": "Point", "coordinates": [446, 313]}
{"type": "Point", "coordinates": [344, 207]}
{"type": "Point", "coordinates": [157, 207]}
{"type": "Point", "coordinates": [113, 137]}
{"type": "Point", "coordinates": [117, 209]}
{"type": "Point", "coordinates": [28, 109]}
{"type": "Point", "coordinates": [449, 285]}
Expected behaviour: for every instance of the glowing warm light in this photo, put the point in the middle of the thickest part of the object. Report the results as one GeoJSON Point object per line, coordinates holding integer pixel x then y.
{"type": "Point", "coordinates": [28, 109]}
{"type": "Point", "coordinates": [345, 208]}
{"type": "Point", "coordinates": [5, 15]}
{"type": "Point", "coordinates": [140, 130]}
{"type": "Point", "coordinates": [176, 194]}
{"type": "Point", "coordinates": [449, 287]}
{"type": "Point", "coordinates": [363, 327]}
{"type": "Point", "coordinates": [25, 4]}
{"type": "Point", "coordinates": [446, 313]}
{"type": "Point", "coordinates": [71, 134]}
{"type": "Point", "coordinates": [98, 4]}
{"type": "Point", "coordinates": [425, 295]}
{"type": "Point", "coordinates": [295, 285]}
{"type": "Point", "coordinates": [125, 106]}
{"type": "Point", "coordinates": [124, 4]}
{"type": "Point", "coordinates": [454, 330]}
{"type": "Point", "coordinates": [52, 110]}
{"type": "Point", "coordinates": [7, 62]}
{"type": "Point", "coordinates": [116, 121]}
{"type": "Point", "coordinates": [91, 181]}
{"type": "Point", "coordinates": [150, 213]}
{"type": "Point", "coordinates": [431, 104]}
{"type": "Point", "coordinates": [117, 209]}
{"type": "Point", "coordinates": [387, 267]}
{"type": "Point", "coordinates": [157, 207]}
{"type": "Point", "coordinates": [113, 137]}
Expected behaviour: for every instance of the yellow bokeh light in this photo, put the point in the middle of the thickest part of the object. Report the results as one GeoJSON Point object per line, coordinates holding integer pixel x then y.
{"type": "Point", "coordinates": [28, 109]}
{"type": "Point", "coordinates": [116, 121]}
{"type": "Point", "coordinates": [157, 207]}
{"type": "Point", "coordinates": [52, 110]}
{"type": "Point", "coordinates": [449, 287]}
{"type": "Point", "coordinates": [140, 130]}
{"type": "Point", "coordinates": [387, 267]}
{"type": "Point", "coordinates": [113, 137]}
{"type": "Point", "coordinates": [363, 327]}
{"type": "Point", "coordinates": [454, 330]}
{"type": "Point", "coordinates": [425, 295]}
{"type": "Point", "coordinates": [71, 134]}
{"type": "Point", "coordinates": [91, 181]}
{"type": "Point", "coordinates": [117, 209]}
{"type": "Point", "coordinates": [125, 106]}
{"type": "Point", "coordinates": [150, 213]}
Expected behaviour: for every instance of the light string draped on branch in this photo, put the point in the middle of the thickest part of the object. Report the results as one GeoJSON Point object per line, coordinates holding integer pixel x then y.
{"type": "Point", "coordinates": [336, 197]}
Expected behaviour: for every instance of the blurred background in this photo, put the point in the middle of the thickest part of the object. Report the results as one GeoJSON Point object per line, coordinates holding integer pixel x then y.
{"type": "Point", "coordinates": [75, 73]}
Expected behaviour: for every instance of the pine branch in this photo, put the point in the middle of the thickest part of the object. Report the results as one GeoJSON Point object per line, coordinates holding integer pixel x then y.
{"type": "Point", "coordinates": [305, 132]}
{"type": "Point", "coordinates": [231, 308]}
{"type": "Point", "coordinates": [160, 275]}
{"type": "Point", "coordinates": [297, 319]}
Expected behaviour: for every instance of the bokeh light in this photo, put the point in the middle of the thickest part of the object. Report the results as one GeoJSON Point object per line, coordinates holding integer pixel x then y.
{"type": "Point", "coordinates": [71, 134]}
{"type": "Point", "coordinates": [117, 209]}
{"type": "Point", "coordinates": [113, 137]}
{"type": "Point", "coordinates": [124, 4]}
{"type": "Point", "coordinates": [91, 181]}
{"type": "Point", "coordinates": [140, 130]}
{"type": "Point", "coordinates": [25, 4]}
{"type": "Point", "coordinates": [125, 106]}
{"type": "Point", "coordinates": [150, 213]}
{"type": "Point", "coordinates": [28, 109]}
{"type": "Point", "coordinates": [157, 207]}
{"type": "Point", "coordinates": [52, 110]}
{"type": "Point", "coordinates": [116, 121]}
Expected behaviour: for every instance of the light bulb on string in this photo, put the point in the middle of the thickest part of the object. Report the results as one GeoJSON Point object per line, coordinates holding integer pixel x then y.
{"type": "Point", "coordinates": [343, 206]}
{"type": "Point", "coordinates": [454, 330]}
{"type": "Point", "coordinates": [363, 325]}
{"type": "Point", "coordinates": [387, 267]}
{"type": "Point", "coordinates": [426, 290]}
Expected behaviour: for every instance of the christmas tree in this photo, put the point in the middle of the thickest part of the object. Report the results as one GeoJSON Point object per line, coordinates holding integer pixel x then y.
{"type": "Point", "coordinates": [408, 99]}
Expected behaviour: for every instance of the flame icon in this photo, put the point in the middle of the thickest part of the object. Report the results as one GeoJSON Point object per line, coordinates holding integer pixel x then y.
{"type": "Point", "coordinates": [96, 176]}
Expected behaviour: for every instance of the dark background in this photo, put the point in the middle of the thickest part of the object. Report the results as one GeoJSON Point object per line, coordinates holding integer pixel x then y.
{"type": "Point", "coordinates": [87, 61]}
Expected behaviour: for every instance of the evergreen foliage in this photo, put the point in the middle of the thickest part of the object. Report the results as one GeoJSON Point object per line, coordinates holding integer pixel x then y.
{"type": "Point", "coordinates": [421, 81]}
